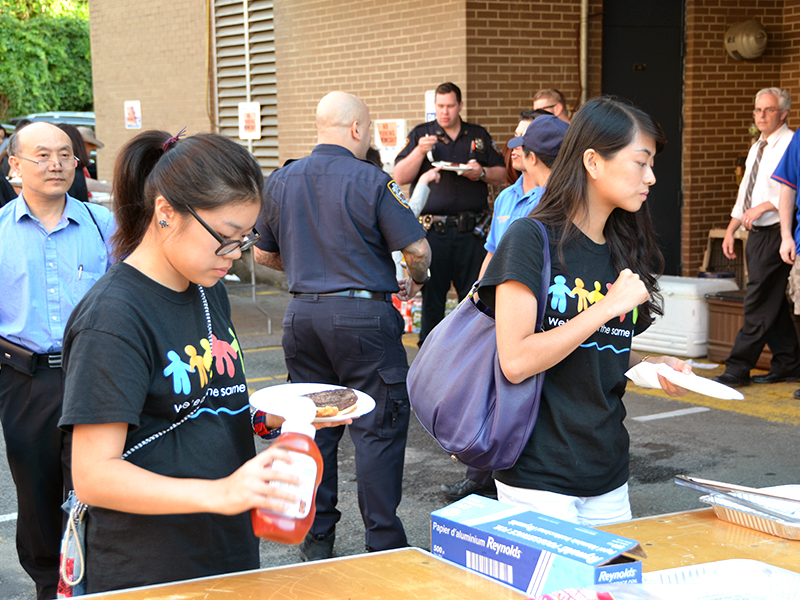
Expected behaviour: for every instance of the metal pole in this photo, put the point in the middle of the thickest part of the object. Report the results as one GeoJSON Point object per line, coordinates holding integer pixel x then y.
{"type": "Point", "coordinates": [253, 286]}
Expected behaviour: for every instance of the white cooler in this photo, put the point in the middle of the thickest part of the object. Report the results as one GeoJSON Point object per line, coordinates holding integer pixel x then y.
{"type": "Point", "coordinates": [683, 329]}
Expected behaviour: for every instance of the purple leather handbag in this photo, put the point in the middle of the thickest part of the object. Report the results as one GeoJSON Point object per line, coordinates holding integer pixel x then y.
{"type": "Point", "coordinates": [459, 393]}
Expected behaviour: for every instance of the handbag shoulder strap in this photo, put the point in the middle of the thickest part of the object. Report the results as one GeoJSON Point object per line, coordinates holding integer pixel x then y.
{"type": "Point", "coordinates": [91, 214]}
{"type": "Point", "coordinates": [545, 277]}
{"type": "Point", "coordinates": [545, 285]}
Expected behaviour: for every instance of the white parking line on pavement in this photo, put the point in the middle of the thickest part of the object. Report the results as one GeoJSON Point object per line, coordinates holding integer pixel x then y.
{"type": "Point", "coordinates": [8, 517]}
{"type": "Point", "coordinates": [673, 413]}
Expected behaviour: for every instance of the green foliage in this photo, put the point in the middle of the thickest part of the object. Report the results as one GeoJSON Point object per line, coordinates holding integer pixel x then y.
{"type": "Point", "coordinates": [25, 9]}
{"type": "Point", "coordinates": [45, 56]}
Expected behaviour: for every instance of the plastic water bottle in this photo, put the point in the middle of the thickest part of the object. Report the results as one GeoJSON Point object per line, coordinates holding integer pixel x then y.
{"type": "Point", "coordinates": [297, 438]}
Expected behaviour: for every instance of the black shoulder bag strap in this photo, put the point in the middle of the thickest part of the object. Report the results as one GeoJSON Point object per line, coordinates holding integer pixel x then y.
{"type": "Point", "coordinates": [91, 214]}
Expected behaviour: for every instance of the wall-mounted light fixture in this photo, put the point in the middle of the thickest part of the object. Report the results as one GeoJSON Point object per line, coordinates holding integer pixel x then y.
{"type": "Point", "coordinates": [746, 40]}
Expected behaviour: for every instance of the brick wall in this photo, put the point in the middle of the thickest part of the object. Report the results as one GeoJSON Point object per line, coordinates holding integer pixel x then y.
{"type": "Point", "coordinates": [154, 52]}
{"type": "Point", "coordinates": [516, 48]}
{"type": "Point", "coordinates": [387, 53]}
{"type": "Point", "coordinates": [790, 64]}
{"type": "Point", "coordinates": [498, 52]}
{"type": "Point", "coordinates": [719, 94]}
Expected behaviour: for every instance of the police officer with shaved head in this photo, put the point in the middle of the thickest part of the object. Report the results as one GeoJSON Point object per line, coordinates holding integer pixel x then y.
{"type": "Point", "coordinates": [331, 221]}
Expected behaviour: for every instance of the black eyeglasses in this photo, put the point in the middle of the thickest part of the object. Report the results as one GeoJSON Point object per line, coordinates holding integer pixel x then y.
{"type": "Point", "coordinates": [226, 246]}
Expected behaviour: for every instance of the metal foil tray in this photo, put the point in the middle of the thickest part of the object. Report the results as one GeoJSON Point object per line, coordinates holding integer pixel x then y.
{"type": "Point", "coordinates": [752, 518]}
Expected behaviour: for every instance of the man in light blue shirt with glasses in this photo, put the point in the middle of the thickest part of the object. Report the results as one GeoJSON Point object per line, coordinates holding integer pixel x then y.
{"type": "Point", "coordinates": [53, 248]}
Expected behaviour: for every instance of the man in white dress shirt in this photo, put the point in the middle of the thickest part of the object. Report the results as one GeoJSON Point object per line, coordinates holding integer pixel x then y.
{"type": "Point", "coordinates": [767, 317]}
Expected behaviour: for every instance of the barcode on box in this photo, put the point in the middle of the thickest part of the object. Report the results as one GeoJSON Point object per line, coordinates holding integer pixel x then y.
{"type": "Point", "coordinates": [491, 567]}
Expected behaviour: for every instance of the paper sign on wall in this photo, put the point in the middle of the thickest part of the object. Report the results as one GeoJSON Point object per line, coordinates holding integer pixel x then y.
{"type": "Point", "coordinates": [133, 114]}
{"type": "Point", "coordinates": [430, 106]}
{"type": "Point", "coordinates": [249, 121]}
{"type": "Point", "coordinates": [390, 138]}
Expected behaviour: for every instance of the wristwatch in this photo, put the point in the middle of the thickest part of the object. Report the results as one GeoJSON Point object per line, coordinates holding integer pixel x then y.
{"type": "Point", "coordinates": [427, 279]}
{"type": "Point", "coordinates": [483, 173]}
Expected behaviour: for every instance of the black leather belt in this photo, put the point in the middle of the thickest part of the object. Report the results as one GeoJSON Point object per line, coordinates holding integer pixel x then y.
{"type": "Point", "coordinates": [464, 222]}
{"type": "Point", "coordinates": [364, 294]}
{"type": "Point", "coordinates": [766, 227]}
{"type": "Point", "coordinates": [51, 361]}
{"type": "Point", "coordinates": [447, 219]}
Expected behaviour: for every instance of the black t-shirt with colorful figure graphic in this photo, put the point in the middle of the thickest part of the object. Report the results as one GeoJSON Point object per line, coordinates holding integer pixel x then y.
{"type": "Point", "coordinates": [579, 445]}
{"type": "Point", "coordinates": [138, 353]}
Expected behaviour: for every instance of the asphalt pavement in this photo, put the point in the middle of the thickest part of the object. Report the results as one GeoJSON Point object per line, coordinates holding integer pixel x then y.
{"type": "Point", "coordinates": [753, 442]}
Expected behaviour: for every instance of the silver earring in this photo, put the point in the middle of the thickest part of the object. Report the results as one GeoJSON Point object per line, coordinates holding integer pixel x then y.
{"type": "Point", "coordinates": [163, 223]}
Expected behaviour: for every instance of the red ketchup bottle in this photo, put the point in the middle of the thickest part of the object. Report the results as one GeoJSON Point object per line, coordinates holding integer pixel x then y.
{"type": "Point", "coordinates": [297, 438]}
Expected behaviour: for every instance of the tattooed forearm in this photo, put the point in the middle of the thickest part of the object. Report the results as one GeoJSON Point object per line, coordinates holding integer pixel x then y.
{"type": "Point", "coordinates": [418, 258]}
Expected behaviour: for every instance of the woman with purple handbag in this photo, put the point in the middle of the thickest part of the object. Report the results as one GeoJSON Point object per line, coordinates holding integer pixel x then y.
{"type": "Point", "coordinates": [602, 292]}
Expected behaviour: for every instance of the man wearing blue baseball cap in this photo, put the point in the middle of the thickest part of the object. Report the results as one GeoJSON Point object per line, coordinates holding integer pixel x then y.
{"type": "Point", "coordinates": [534, 152]}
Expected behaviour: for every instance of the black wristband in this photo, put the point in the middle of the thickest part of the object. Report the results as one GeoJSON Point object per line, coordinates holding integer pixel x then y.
{"type": "Point", "coordinates": [427, 279]}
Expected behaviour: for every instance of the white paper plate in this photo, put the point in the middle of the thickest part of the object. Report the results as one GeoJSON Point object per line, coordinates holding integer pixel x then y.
{"type": "Point", "coordinates": [275, 399]}
{"type": "Point", "coordinates": [446, 166]}
{"type": "Point", "coordinates": [645, 374]}
{"type": "Point", "coordinates": [701, 385]}
{"type": "Point", "coordinates": [733, 579]}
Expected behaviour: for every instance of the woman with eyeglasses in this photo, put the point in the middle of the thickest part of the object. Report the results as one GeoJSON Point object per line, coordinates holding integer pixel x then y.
{"type": "Point", "coordinates": [155, 392]}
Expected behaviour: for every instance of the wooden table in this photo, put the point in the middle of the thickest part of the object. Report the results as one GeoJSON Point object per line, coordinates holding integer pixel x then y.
{"type": "Point", "coordinates": [698, 536]}
{"type": "Point", "coordinates": [390, 575]}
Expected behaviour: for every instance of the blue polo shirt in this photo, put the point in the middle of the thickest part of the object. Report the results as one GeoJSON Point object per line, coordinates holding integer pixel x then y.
{"type": "Point", "coordinates": [787, 174]}
{"type": "Point", "coordinates": [335, 220]}
{"type": "Point", "coordinates": [511, 204]}
{"type": "Point", "coordinates": [43, 275]}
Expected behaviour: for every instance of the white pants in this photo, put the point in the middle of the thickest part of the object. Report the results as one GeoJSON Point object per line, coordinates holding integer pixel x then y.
{"type": "Point", "coordinates": [611, 507]}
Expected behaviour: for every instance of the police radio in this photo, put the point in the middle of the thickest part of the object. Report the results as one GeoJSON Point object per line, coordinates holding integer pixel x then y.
{"type": "Point", "coordinates": [482, 228]}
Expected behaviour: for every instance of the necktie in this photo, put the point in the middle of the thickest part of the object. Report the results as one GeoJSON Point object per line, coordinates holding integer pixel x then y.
{"type": "Point", "coordinates": [748, 194]}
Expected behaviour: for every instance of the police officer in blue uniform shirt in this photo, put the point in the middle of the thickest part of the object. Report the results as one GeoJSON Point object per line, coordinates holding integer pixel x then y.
{"type": "Point", "coordinates": [457, 204]}
{"type": "Point", "coordinates": [331, 221]}
{"type": "Point", "coordinates": [52, 249]}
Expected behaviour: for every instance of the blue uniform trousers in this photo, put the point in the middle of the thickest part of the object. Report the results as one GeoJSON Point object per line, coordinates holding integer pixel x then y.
{"type": "Point", "coordinates": [356, 343]}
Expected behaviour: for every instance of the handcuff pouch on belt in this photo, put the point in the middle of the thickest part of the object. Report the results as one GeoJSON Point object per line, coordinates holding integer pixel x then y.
{"type": "Point", "coordinates": [463, 222]}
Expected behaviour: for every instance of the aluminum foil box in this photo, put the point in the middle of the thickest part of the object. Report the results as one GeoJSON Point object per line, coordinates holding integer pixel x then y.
{"type": "Point", "coordinates": [529, 551]}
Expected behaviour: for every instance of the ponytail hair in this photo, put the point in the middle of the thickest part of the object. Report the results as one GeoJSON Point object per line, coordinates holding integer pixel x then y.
{"type": "Point", "coordinates": [205, 171]}
{"type": "Point", "coordinates": [607, 125]}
